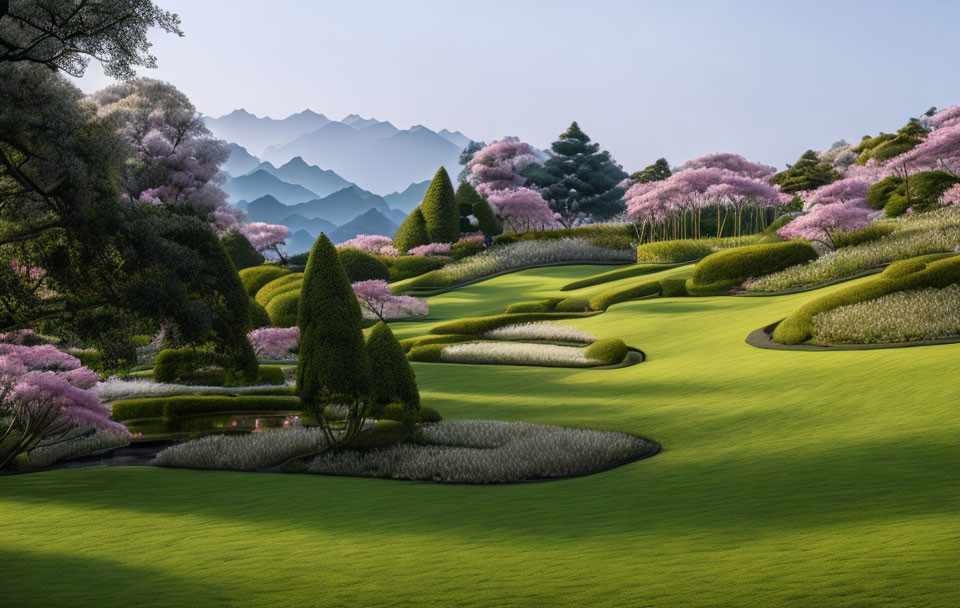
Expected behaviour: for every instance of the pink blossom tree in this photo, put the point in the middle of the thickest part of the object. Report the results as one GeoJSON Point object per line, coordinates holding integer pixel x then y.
{"type": "Point", "coordinates": [44, 396]}
{"type": "Point", "coordinates": [827, 219]}
{"type": "Point", "coordinates": [372, 243]}
{"type": "Point", "coordinates": [522, 209]}
{"type": "Point", "coordinates": [733, 163]}
{"type": "Point", "coordinates": [265, 237]}
{"type": "Point", "coordinates": [497, 165]}
{"type": "Point", "coordinates": [946, 117]}
{"type": "Point", "coordinates": [430, 249]}
{"type": "Point", "coordinates": [939, 150]}
{"type": "Point", "coordinates": [851, 190]}
{"type": "Point", "coordinates": [951, 196]}
{"type": "Point", "coordinates": [274, 343]}
{"type": "Point", "coordinates": [376, 298]}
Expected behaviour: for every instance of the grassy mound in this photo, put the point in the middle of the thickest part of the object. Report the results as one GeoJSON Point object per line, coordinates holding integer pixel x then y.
{"type": "Point", "coordinates": [256, 277]}
{"type": "Point", "coordinates": [741, 263]}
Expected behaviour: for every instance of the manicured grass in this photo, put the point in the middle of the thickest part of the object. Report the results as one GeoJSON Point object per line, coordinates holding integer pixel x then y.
{"type": "Point", "coordinates": [788, 479]}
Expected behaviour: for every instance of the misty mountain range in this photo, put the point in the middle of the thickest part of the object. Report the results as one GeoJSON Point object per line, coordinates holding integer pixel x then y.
{"type": "Point", "coordinates": [373, 154]}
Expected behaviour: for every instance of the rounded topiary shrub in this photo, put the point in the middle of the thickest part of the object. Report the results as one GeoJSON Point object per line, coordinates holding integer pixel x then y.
{"type": "Point", "coordinates": [289, 282]}
{"type": "Point", "coordinates": [741, 263]}
{"type": "Point", "coordinates": [362, 266]}
{"type": "Point", "coordinates": [173, 364]}
{"type": "Point", "coordinates": [412, 232]}
{"type": "Point", "coordinates": [393, 380]}
{"type": "Point", "coordinates": [258, 315]}
{"type": "Point", "coordinates": [283, 309]}
{"type": "Point", "coordinates": [440, 210]}
{"type": "Point", "coordinates": [608, 351]}
{"type": "Point", "coordinates": [409, 266]}
{"type": "Point", "coordinates": [256, 277]}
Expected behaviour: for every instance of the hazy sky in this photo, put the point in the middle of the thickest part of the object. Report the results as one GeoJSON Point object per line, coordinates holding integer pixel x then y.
{"type": "Point", "coordinates": [766, 79]}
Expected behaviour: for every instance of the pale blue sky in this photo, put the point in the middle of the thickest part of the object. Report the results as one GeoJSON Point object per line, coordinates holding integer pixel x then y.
{"type": "Point", "coordinates": [645, 79]}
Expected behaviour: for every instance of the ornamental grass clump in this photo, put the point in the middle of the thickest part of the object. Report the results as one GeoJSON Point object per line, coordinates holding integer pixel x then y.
{"type": "Point", "coordinates": [509, 353]}
{"type": "Point", "coordinates": [540, 331]}
{"type": "Point", "coordinates": [116, 389]}
{"type": "Point", "coordinates": [487, 451]}
{"type": "Point", "coordinates": [251, 452]}
{"type": "Point", "coordinates": [908, 316]}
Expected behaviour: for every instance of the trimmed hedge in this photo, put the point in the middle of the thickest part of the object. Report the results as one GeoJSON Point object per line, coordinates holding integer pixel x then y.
{"type": "Point", "coordinates": [394, 380]}
{"type": "Point", "coordinates": [604, 300]}
{"type": "Point", "coordinates": [872, 232]}
{"type": "Point", "coordinates": [412, 232]}
{"type": "Point", "coordinates": [410, 343]}
{"type": "Point", "coordinates": [474, 326]}
{"type": "Point", "coordinates": [440, 210]}
{"type": "Point", "coordinates": [468, 198]}
{"type": "Point", "coordinates": [675, 251]}
{"type": "Point", "coordinates": [673, 288]}
{"type": "Point", "coordinates": [915, 273]}
{"type": "Point", "coordinates": [608, 351]}
{"type": "Point", "coordinates": [409, 266]}
{"type": "Point", "coordinates": [616, 275]}
{"type": "Point", "coordinates": [534, 305]}
{"type": "Point", "coordinates": [362, 265]}
{"type": "Point", "coordinates": [289, 282]}
{"type": "Point", "coordinates": [428, 353]}
{"type": "Point", "coordinates": [610, 236]}
{"type": "Point", "coordinates": [199, 405]}
{"type": "Point", "coordinates": [283, 309]}
{"type": "Point", "coordinates": [572, 305]}
{"type": "Point", "coordinates": [778, 223]}
{"type": "Point", "coordinates": [174, 363]}
{"type": "Point", "coordinates": [256, 277]}
{"type": "Point", "coordinates": [741, 263]}
{"type": "Point", "coordinates": [399, 413]}
{"type": "Point", "coordinates": [258, 315]}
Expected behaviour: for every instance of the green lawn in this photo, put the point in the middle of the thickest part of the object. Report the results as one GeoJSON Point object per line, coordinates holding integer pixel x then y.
{"type": "Point", "coordinates": [787, 479]}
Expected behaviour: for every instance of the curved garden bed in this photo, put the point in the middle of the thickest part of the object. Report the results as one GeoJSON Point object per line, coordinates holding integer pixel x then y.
{"type": "Point", "coordinates": [763, 338]}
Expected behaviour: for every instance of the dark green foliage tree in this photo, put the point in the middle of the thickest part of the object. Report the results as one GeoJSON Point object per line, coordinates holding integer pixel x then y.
{"type": "Point", "coordinates": [258, 315]}
{"type": "Point", "coordinates": [241, 252]}
{"type": "Point", "coordinates": [886, 145]}
{"type": "Point", "coordinates": [470, 201]}
{"type": "Point", "coordinates": [657, 172]}
{"type": "Point", "coordinates": [440, 210]}
{"type": "Point", "coordinates": [465, 156]}
{"type": "Point", "coordinates": [412, 232]}
{"type": "Point", "coordinates": [363, 266]}
{"type": "Point", "coordinates": [332, 365]}
{"type": "Point", "coordinates": [579, 178]}
{"type": "Point", "coordinates": [808, 173]}
{"type": "Point", "coordinates": [393, 380]}
{"type": "Point", "coordinates": [921, 191]}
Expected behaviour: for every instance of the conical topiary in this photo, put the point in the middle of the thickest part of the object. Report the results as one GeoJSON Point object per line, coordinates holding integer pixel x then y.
{"type": "Point", "coordinates": [440, 210]}
{"type": "Point", "coordinates": [392, 380]}
{"type": "Point", "coordinates": [412, 232]}
{"type": "Point", "coordinates": [333, 360]}
{"type": "Point", "coordinates": [467, 197]}
{"type": "Point", "coordinates": [241, 252]}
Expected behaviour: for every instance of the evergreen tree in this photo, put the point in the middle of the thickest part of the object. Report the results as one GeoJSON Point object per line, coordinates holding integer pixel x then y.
{"type": "Point", "coordinates": [579, 179]}
{"type": "Point", "coordinates": [393, 379]}
{"type": "Point", "coordinates": [657, 172]}
{"type": "Point", "coordinates": [808, 173]}
{"type": "Point", "coordinates": [440, 210]}
{"type": "Point", "coordinates": [332, 364]}
{"type": "Point", "coordinates": [465, 156]}
{"type": "Point", "coordinates": [471, 203]}
{"type": "Point", "coordinates": [412, 232]}
{"type": "Point", "coordinates": [240, 250]}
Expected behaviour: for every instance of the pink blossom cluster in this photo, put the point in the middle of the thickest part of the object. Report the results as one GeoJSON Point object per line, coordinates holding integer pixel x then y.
{"type": "Point", "coordinates": [733, 163]}
{"type": "Point", "coordinates": [951, 196]}
{"type": "Point", "coordinates": [827, 219]}
{"type": "Point", "coordinates": [946, 117]}
{"type": "Point", "coordinates": [939, 150]}
{"type": "Point", "coordinates": [430, 249]}
{"type": "Point", "coordinates": [37, 381]}
{"type": "Point", "coordinates": [32, 272]}
{"type": "Point", "coordinates": [372, 243]}
{"type": "Point", "coordinates": [522, 209]}
{"type": "Point", "coordinates": [497, 165]}
{"type": "Point", "coordinates": [376, 297]}
{"type": "Point", "coordinates": [274, 342]}
{"type": "Point", "coordinates": [851, 190]}
{"type": "Point", "coordinates": [262, 235]}
{"type": "Point", "coordinates": [696, 189]}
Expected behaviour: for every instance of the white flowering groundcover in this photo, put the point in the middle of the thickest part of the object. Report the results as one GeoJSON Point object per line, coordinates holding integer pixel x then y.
{"type": "Point", "coordinates": [541, 330]}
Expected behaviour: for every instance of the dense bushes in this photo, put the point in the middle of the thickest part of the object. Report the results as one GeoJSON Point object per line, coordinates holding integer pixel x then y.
{"type": "Point", "coordinates": [193, 405]}
{"type": "Point", "coordinates": [921, 191]}
{"type": "Point", "coordinates": [256, 277]}
{"type": "Point", "coordinates": [394, 380]}
{"type": "Point", "coordinates": [687, 250]}
{"type": "Point", "coordinates": [608, 236]}
{"type": "Point", "coordinates": [608, 351]}
{"type": "Point", "coordinates": [916, 273]}
{"type": "Point", "coordinates": [203, 367]}
{"type": "Point", "coordinates": [409, 266]}
{"type": "Point", "coordinates": [435, 220]}
{"type": "Point", "coordinates": [742, 263]}
{"type": "Point", "coordinates": [241, 252]}
{"type": "Point", "coordinates": [258, 315]}
{"type": "Point", "coordinates": [284, 284]}
{"type": "Point", "coordinates": [362, 266]}
{"type": "Point", "coordinates": [471, 203]}
{"type": "Point", "coordinates": [412, 232]}
{"type": "Point", "coordinates": [864, 235]}
{"type": "Point", "coordinates": [282, 309]}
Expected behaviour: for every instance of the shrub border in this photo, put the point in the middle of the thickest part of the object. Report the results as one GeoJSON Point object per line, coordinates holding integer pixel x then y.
{"type": "Point", "coordinates": [763, 338]}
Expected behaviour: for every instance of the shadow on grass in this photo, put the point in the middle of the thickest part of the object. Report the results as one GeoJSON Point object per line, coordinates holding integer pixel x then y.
{"type": "Point", "coordinates": [45, 580]}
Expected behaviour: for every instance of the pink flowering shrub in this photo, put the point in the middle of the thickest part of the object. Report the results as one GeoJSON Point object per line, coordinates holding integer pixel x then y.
{"type": "Point", "coordinates": [851, 190]}
{"type": "Point", "coordinates": [951, 196]}
{"type": "Point", "coordinates": [274, 342]}
{"type": "Point", "coordinates": [377, 300]}
{"type": "Point", "coordinates": [497, 166]}
{"type": "Point", "coordinates": [44, 393]}
{"type": "Point", "coordinates": [733, 163]}
{"type": "Point", "coordinates": [826, 220]}
{"type": "Point", "coordinates": [372, 243]}
{"type": "Point", "coordinates": [522, 210]}
{"type": "Point", "coordinates": [430, 249]}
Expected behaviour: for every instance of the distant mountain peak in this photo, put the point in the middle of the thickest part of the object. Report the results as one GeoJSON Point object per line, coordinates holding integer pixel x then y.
{"type": "Point", "coordinates": [240, 112]}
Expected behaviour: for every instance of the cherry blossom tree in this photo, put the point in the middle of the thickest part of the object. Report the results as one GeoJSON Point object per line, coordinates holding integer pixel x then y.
{"type": "Point", "coordinates": [733, 163]}
{"type": "Point", "coordinates": [825, 220]}
{"type": "Point", "coordinates": [497, 165]}
{"type": "Point", "coordinates": [851, 190]}
{"type": "Point", "coordinates": [951, 196]}
{"type": "Point", "coordinates": [265, 237]}
{"type": "Point", "coordinates": [430, 249]}
{"type": "Point", "coordinates": [372, 243]}
{"type": "Point", "coordinates": [44, 395]}
{"type": "Point", "coordinates": [522, 209]}
{"type": "Point", "coordinates": [946, 117]}
{"type": "Point", "coordinates": [376, 298]}
{"type": "Point", "coordinates": [274, 342]}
